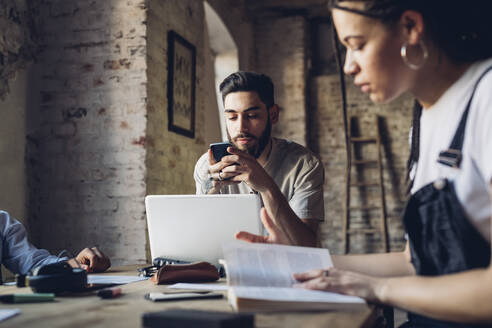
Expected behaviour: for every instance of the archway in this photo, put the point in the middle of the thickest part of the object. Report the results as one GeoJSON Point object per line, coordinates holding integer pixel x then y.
{"type": "Point", "coordinates": [224, 53]}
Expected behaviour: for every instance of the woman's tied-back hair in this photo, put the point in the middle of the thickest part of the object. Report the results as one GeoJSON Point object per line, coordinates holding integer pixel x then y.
{"type": "Point", "coordinates": [249, 81]}
{"type": "Point", "coordinates": [460, 30]}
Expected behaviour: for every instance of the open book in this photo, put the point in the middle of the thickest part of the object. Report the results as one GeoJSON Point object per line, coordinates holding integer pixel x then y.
{"type": "Point", "coordinates": [259, 277]}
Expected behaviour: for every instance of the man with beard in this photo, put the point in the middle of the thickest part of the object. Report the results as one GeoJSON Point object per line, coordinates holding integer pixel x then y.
{"type": "Point", "coordinates": [288, 177]}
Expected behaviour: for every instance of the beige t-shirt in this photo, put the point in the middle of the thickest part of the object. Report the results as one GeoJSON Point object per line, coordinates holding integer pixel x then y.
{"type": "Point", "coordinates": [298, 173]}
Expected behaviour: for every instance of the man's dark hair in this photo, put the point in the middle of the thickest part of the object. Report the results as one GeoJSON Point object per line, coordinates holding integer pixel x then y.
{"type": "Point", "coordinates": [249, 81]}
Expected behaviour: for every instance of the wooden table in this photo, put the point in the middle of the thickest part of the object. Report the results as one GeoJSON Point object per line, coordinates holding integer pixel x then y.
{"type": "Point", "coordinates": [88, 310]}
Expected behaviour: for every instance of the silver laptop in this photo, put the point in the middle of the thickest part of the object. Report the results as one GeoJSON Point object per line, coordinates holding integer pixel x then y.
{"type": "Point", "coordinates": [193, 227]}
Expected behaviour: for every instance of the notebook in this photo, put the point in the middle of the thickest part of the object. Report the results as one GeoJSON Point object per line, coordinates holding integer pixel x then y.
{"type": "Point", "coordinates": [193, 227]}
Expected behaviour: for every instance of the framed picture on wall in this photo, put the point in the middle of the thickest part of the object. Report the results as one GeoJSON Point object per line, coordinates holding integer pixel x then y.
{"type": "Point", "coordinates": [181, 56]}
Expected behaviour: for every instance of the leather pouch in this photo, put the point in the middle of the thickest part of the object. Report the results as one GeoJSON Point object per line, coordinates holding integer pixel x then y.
{"type": "Point", "coordinates": [194, 272]}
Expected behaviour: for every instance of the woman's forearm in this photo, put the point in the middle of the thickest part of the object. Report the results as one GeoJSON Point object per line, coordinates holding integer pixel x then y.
{"type": "Point", "coordinates": [378, 265]}
{"type": "Point", "coordinates": [463, 297]}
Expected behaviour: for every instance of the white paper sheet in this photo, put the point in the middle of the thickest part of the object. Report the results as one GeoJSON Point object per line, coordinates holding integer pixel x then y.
{"type": "Point", "coordinates": [8, 313]}
{"type": "Point", "coordinates": [199, 286]}
{"type": "Point", "coordinates": [108, 279]}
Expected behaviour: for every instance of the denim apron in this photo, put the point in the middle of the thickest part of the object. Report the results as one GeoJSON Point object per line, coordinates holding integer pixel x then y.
{"type": "Point", "coordinates": [441, 238]}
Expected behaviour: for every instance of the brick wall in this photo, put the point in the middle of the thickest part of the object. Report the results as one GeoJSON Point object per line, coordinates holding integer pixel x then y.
{"type": "Point", "coordinates": [98, 139]}
{"type": "Point", "coordinates": [284, 60]}
{"type": "Point", "coordinates": [16, 45]}
{"type": "Point", "coordinates": [12, 144]}
{"type": "Point", "coordinates": [16, 51]}
{"type": "Point", "coordinates": [328, 126]}
{"type": "Point", "coordinates": [171, 157]}
{"type": "Point", "coordinates": [86, 136]}
{"type": "Point", "coordinates": [96, 120]}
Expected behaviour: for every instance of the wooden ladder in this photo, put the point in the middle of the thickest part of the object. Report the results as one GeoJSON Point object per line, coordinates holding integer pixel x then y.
{"type": "Point", "coordinates": [361, 164]}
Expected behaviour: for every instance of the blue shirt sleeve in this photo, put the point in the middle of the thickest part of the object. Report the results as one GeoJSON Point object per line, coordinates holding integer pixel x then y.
{"type": "Point", "coordinates": [18, 254]}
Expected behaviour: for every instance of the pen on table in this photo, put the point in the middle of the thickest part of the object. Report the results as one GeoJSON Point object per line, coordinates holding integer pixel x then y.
{"type": "Point", "coordinates": [27, 298]}
{"type": "Point", "coordinates": [109, 292]}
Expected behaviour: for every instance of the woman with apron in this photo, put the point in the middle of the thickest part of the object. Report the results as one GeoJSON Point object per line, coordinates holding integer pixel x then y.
{"type": "Point", "coordinates": [440, 51]}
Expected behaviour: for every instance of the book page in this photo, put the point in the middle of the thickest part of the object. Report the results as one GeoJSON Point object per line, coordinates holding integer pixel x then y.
{"type": "Point", "coordinates": [269, 265]}
{"type": "Point", "coordinates": [293, 295]}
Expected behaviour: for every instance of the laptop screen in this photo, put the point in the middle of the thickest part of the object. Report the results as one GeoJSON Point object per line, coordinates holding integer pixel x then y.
{"type": "Point", "coordinates": [192, 227]}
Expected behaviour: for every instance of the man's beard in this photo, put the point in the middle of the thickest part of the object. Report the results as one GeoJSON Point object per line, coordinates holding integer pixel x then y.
{"type": "Point", "coordinates": [260, 146]}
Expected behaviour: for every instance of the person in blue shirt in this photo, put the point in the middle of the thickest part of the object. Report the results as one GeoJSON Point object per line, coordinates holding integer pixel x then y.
{"type": "Point", "coordinates": [20, 256]}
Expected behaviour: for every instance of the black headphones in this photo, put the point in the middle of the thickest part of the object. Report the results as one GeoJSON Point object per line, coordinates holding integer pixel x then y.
{"type": "Point", "coordinates": [55, 278]}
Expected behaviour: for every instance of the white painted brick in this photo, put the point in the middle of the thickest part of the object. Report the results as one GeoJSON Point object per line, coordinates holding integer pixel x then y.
{"type": "Point", "coordinates": [92, 161]}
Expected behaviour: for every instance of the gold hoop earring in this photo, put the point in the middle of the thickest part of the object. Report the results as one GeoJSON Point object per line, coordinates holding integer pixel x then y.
{"type": "Point", "coordinates": [425, 55]}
